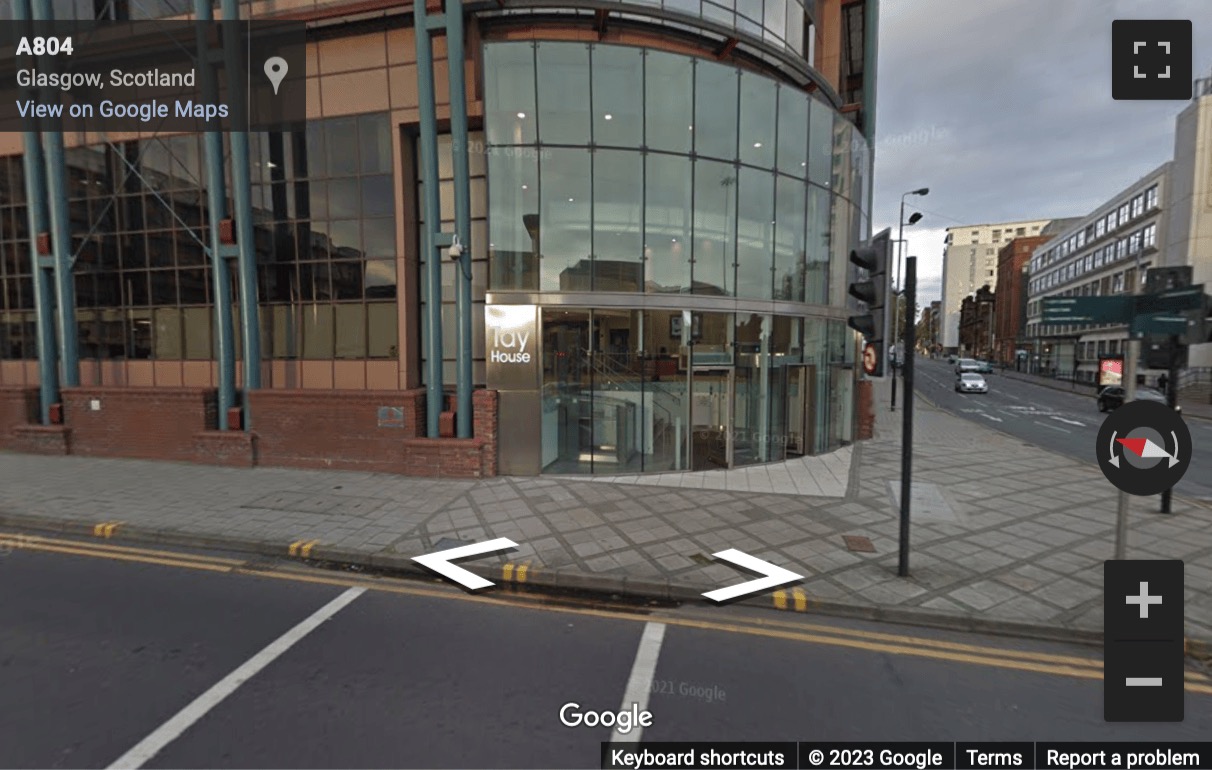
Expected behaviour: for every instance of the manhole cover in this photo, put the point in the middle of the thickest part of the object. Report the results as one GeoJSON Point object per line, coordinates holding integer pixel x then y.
{"type": "Point", "coordinates": [859, 544]}
{"type": "Point", "coordinates": [446, 543]}
{"type": "Point", "coordinates": [699, 558]}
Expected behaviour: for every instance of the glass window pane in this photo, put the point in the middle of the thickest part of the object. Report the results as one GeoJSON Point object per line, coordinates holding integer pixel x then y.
{"type": "Point", "coordinates": [843, 131]}
{"type": "Point", "coordinates": [839, 257]}
{"type": "Point", "coordinates": [509, 93]}
{"type": "Point", "coordinates": [668, 103]}
{"type": "Point", "coordinates": [513, 219]}
{"type": "Point", "coordinates": [563, 93]}
{"type": "Point", "coordinates": [793, 131]}
{"type": "Point", "coordinates": [715, 110]}
{"type": "Point", "coordinates": [789, 254]}
{"type": "Point", "coordinates": [755, 234]}
{"type": "Point", "coordinates": [795, 26]}
{"type": "Point", "coordinates": [345, 239]}
{"type": "Point", "coordinates": [342, 152]}
{"type": "Point", "coordinates": [667, 223]}
{"type": "Point", "coordinates": [776, 18]}
{"type": "Point", "coordinates": [617, 118]}
{"type": "Point", "coordinates": [374, 138]}
{"type": "Point", "coordinates": [564, 240]}
{"type": "Point", "coordinates": [380, 278]}
{"type": "Point", "coordinates": [618, 224]}
{"type": "Point", "coordinates": [379, 237]}
{"type": "Point", "coordinates": [343, 198]}
{"type": "Point", "coordinates": [382, 329]}
{"type": "Point", "coordinates": [196, 324]}
{"type": "Point", "coordinates": [758, 104]}
{"type": "Point", "coordinates": [820, 143]}
{"type": "Point", "coordinates": [378, 196]}
{"type": "Point", "coordinates": [350, 333]}
{"type": "Point", "coordinates": [347, 279]}
{"type": "Point", "coordinates": [714, 227]}
{"type": "Point", "coordinates": [317, 332]}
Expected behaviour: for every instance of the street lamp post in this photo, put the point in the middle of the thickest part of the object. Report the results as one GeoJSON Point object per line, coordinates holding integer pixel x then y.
{"type": "Point", "coordinates": [896, 313]}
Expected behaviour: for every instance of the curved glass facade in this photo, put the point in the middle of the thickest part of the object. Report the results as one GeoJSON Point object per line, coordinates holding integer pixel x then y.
{"type": "Point", "coordinates": [615, 168]}
{"type": "Point", "coordinates": [724, 202]}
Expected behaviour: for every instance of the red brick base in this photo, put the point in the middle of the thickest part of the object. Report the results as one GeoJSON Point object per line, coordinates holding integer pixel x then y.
{"type": "Point", "coordinates": [354, 430]}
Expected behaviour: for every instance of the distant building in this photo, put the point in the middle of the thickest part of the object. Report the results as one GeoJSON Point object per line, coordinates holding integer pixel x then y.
{"type": "Point", "coordinates": [970, 261]}
{"type": "Point", "coordinates": [1010, 314]}
{"type": "Point", "coordinates": [976, 324]}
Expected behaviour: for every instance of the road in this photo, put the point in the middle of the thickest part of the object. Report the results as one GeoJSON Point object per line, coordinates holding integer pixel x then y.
{"type": "Point", "coordinates": [1061, 422]}
{"type": "Point", "coordinates": [174, 659]}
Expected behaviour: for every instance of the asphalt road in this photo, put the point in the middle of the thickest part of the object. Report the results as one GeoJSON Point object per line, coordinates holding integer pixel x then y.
{"type": "Point", "coordinates": [114, 654]}
{"type": "Point", "coordinates": [1062, 422]}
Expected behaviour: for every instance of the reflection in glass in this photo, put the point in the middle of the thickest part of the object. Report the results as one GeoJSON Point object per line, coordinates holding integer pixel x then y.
{"type": "Point", "coordinates": [618, 118]}
{"type": "Point", "coordinates": [669, 94]}
{"type": "Point", "coordinates": [564, 240]}
{"type": "Point", "coordinates": [759, 103]}
{"type": "Point", "coordinates": [513, 219]}
{"type": "Point", "coordinates": [715, 110]}
{"type": "Point", "coordinates": [714, 227]}
{"type": "Point", "coordinates": [843, 131]}
{"type": "Point", "coordinates": [563, 93]}
{"type": "Point", "coordinates": [667, 223]}
{"type": "Point", "coordinates": [839, 253]}
{"type": "Point", "coordinates": [618, 230]}
{"type": "Point", "coordinates": [755, 234]}
{"type": "Point", "coordinates": [509, 108]}
{"type": "Point", "coordinates": [793, 132]}
{"type": "Point", "coordinates": [820, 143]}
{"type": "Point", "coordinates": [816, 285]}
{"type": "Point", "coordinates": [789, 253]}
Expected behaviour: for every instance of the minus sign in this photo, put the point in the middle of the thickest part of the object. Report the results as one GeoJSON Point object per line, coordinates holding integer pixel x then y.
{"type": "Point", "coordinates": [1144, 681]}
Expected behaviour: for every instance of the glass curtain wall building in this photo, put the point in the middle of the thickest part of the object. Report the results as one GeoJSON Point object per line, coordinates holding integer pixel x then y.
{"type": "Point", "coordinates": [682, 227]}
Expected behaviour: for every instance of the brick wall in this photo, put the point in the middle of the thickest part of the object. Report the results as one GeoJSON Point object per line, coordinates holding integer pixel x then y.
{"type": "Point", "coordinates": [864, 404]}
{"type": "Point", "coordinates": [148, 423]}
{"type": "Point", "coordinates": [18, 406]}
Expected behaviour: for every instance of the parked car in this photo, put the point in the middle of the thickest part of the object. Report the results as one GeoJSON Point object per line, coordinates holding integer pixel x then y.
{"type": "Point", "coordinates": [971, 382]}
{"type": "Point", "coordinates": [1112, 397]}
{"type": "Point", "coordinates": [967, 365]}
{"type": "Point", "coordinates": [984, 367]}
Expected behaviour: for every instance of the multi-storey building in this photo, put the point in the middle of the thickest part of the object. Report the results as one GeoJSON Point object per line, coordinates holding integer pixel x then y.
{"type": "Point", "coordinates": [970, 262]}
{"type": "Point", "coordinates": [663, 196]}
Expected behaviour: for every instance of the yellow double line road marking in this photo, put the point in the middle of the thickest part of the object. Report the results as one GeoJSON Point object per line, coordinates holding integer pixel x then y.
{"type": "Point", "coordinates": [776, 628]}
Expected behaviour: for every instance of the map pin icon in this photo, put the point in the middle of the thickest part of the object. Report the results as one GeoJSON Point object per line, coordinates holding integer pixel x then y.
{"type": "Point", "coordinates": [275, 70]}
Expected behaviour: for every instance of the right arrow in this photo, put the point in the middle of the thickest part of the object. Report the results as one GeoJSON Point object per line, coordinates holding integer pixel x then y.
{"type": "Point", "coordinates": [440, 562]}
{"type": "Point", "coordinates": [773, 576]}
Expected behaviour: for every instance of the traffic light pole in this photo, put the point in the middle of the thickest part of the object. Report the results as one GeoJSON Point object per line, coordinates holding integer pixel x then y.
{"type": "Point", "coordinates": [1121, 513]}
{"type": "Point", "coordinates": [1172, 402]}
{"type": "Point", "coordinates": [907, 429]}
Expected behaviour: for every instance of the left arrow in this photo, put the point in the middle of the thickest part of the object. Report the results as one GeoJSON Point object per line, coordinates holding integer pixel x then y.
{"type": "Point", "coordinates": [772, 576]}
{"type": "Point", "coordinates": [440, 562]}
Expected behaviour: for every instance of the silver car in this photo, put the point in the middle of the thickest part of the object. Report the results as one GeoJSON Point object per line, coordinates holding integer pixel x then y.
{"type": "Point", "coordinates": [971, 382]}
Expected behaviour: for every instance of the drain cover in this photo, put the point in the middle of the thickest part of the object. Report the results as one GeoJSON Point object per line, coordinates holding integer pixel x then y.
{"type": "Point", "coordinates": [859, 544]}
{"type": "Point", "coordinates": [446, 543]}
{"type": "Point", "coordinates": [699, 558]}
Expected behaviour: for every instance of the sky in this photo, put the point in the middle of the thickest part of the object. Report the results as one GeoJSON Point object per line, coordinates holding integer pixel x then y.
{"type": "Point", "coordinates": [1003, 109]}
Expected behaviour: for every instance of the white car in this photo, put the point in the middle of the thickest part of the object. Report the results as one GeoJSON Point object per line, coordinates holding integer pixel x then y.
{"type": "Point", "coordinates": [971, 382]}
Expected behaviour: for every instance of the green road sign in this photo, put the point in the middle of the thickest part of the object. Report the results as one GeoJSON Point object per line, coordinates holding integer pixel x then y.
{"type": "Point", "coordinates": [1173, 300]}
{"type": "Point", "coordinates": [1159, 324]}
{"type": "Point", "coordinates": [1088, 310]}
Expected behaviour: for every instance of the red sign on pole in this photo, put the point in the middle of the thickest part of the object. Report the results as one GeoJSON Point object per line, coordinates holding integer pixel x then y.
{"type": "Point", "coordinates": [869, 358]}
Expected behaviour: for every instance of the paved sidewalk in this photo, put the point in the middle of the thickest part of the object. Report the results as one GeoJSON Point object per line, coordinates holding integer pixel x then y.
{"type": "Point", "coordinates": [1005, 536]}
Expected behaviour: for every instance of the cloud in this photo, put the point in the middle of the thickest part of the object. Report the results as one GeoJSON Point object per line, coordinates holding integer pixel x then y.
{"type": "Point", "coordinates": [1003, 109]}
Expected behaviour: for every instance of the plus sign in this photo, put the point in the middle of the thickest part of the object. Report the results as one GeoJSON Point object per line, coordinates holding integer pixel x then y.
{"type": "Point", "coordinates": [1144, 600]}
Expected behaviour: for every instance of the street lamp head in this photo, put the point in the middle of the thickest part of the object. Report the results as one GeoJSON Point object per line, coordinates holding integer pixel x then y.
{"type": "Point", "coordinates": [915, 217]}
{"type": "Point", "coordinates": [922, 191]}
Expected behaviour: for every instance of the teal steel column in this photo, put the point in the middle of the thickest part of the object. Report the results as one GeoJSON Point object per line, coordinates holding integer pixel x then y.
{"type": "Point", "coordinates": [44, 302]}
{"type": "Point", "coordinates": [433, 218]}
{"type": "Point", "coordinates": [462, 189]}
{"type": "Point", "coordinates": [216, 205]}
{"type": "Point", "coordinates": [61, 239]}
{"type": "Point", "coordinates": [241, 187]}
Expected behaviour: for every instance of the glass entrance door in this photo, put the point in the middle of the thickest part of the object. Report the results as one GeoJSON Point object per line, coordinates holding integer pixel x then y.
{"type": "Point", "coordinates": [711, 390]}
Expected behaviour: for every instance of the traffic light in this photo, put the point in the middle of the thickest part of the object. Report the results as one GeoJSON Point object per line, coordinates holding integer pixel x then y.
{"type": "Point", "coordinates": [874, 259]}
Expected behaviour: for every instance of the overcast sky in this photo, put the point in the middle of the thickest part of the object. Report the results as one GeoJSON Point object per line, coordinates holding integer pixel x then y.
{"type": "Point", "coordinates": [1003, 109]}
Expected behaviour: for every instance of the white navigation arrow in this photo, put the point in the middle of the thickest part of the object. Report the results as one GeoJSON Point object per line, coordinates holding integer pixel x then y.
{"type": "Point", "coordinates": [440, 562]}
{"type": "Point", "coordinates": [772, 576]}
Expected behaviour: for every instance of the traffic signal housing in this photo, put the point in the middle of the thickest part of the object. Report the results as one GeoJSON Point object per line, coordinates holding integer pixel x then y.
{"type": "Point", "coordinates": [874, 259]}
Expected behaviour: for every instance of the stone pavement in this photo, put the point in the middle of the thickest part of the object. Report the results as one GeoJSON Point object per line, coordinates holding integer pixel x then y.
{"type": "Point", "coordinates": [1006, 537]}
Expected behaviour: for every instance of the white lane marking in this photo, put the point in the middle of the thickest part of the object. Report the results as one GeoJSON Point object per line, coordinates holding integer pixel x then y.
{"type": "Point", "coordinates": [1053, 427]}
{"type": "Point", "coordinates": [991, 417]}
{"type": "Point", "coordinates": [1070, 422]}
{"type": "Point", "coordinates": [639, 684]}
{"type": "Point", "coordinates": [186, 717]}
